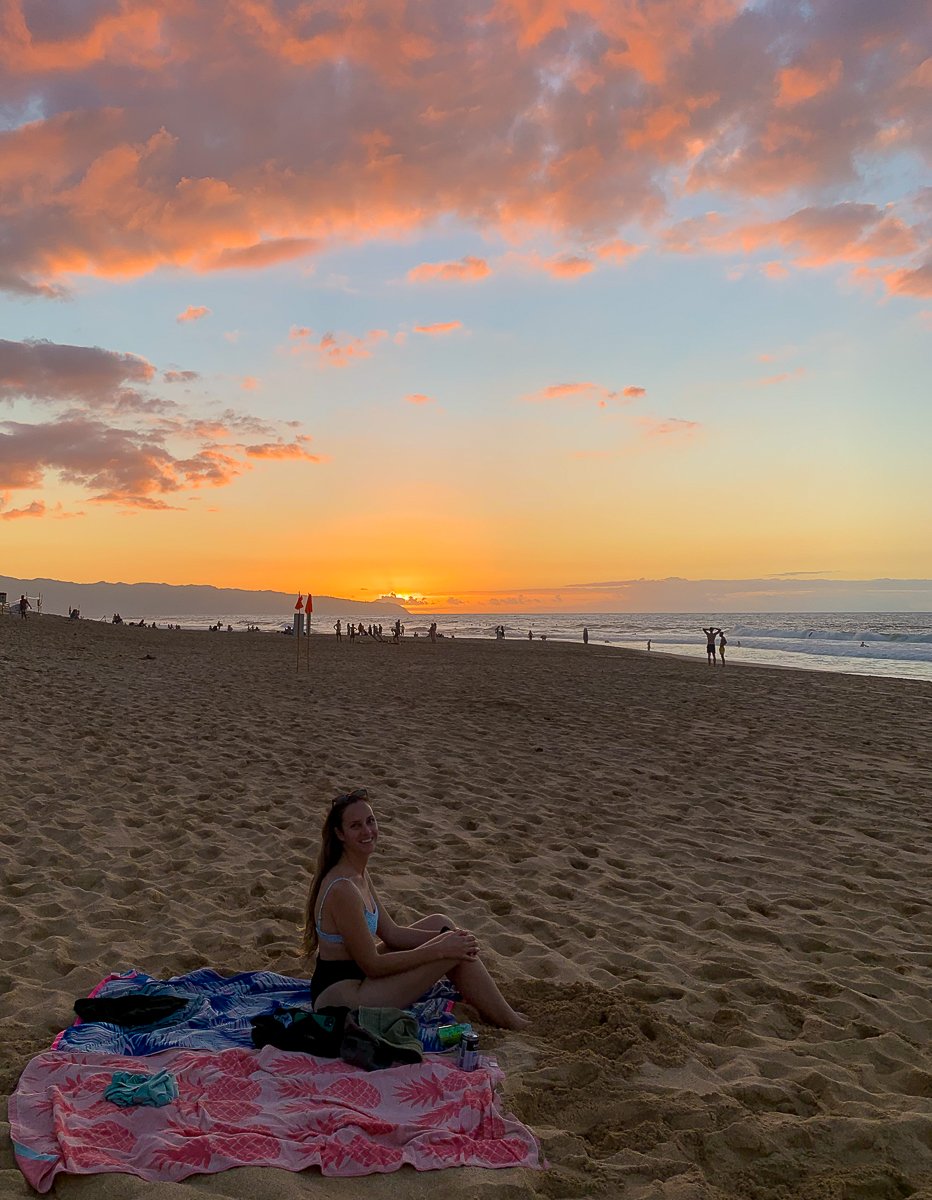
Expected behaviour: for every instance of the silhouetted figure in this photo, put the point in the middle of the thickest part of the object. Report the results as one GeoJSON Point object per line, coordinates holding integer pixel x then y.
{"type": "Point", "coordinates": [585, 635]}
{"type": "Point", "coordinates": [710, 643]}
{"type": "Point", "coordinates": [338, 630]}
{"type": "Point", "coordinates": [722, 643]}
{"type": "Point", "coordinates": [24, 607]}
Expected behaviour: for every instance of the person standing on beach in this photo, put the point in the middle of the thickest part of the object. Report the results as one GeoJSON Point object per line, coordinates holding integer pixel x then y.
{"type": "Point", "coordinates": [585, 635]}
{"type": "Point", "coordinates": [710, 643]}
{"type": "Point", "coordinates": [722, 643]}
{"type": "Point", "coordinates": [24, 606]}
{"type": "Point", "coordinates": [338, 629]}
{"type": "Point", "coordinates": [648, 643]}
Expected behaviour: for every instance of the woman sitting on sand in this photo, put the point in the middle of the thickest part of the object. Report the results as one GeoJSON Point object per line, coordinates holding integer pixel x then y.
{"type": "Point", "coordinates": [344, 917]}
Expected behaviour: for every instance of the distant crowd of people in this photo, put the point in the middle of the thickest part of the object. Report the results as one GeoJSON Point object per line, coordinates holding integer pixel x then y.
{"type": "Point", "coordinates": [356, 630]}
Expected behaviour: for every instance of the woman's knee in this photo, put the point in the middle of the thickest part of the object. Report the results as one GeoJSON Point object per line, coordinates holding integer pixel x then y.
{"type": "Point", "coordinates": [436, 922]}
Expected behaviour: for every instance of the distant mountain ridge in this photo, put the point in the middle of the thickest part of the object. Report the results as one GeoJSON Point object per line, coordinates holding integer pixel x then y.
{"type": "Point", "coordinates": [154, 600]}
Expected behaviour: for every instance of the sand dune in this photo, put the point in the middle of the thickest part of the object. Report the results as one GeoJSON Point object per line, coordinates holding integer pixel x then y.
{"type": "Point", "coordinates": [708, 888]}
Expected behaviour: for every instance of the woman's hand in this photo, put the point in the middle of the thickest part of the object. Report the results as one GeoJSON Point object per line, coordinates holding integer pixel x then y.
{"type": "Point", "coordinates": [457, 943]}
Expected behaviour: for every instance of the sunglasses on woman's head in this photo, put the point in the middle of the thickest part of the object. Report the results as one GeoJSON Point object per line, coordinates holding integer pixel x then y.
{"type": "Point", "coordinates": [351, 797]}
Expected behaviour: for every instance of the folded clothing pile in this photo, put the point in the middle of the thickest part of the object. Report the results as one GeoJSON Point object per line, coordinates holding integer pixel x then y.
{"type": "Point", "coordinates": [371, 1038]}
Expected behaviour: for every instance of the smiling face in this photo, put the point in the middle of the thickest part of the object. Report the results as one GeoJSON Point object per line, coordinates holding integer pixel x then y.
{"type": "Point", "coordinates": [359, 830]}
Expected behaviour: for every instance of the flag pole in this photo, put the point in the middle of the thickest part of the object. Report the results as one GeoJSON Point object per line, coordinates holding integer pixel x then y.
{"type": "Point", "coordinates": [308, 609]}
{"type": "Point", "coordinates": [297, 626]}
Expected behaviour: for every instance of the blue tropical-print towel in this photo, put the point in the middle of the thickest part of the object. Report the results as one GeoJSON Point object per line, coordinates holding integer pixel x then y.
{"type": "Point", "coordinates": [217, 1014]}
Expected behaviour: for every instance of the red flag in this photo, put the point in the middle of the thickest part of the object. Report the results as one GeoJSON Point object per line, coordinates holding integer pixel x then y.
{"type": "Point", "coordinates": [300, 604]}
{"type": "Point", "coordinates": [310, 603]}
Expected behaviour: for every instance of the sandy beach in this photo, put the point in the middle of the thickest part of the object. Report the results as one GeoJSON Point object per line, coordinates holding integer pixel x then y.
{"type": "Point", "coordinates": [708, 888]}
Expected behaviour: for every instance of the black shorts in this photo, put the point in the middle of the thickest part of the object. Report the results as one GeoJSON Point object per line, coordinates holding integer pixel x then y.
{"type": "Point", "coordinates": [330, 971]}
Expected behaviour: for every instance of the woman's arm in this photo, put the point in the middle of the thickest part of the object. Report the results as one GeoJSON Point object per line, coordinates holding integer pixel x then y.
{"type": "Point", "coordinates": [347, 913]}
{"type": "Point", "coordinates": [400, 937]}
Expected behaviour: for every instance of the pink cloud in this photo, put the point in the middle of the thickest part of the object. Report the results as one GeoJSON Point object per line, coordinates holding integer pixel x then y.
{"type": "Point", "coordinates": [193, 313]}
{"type": "Point", "coordinates": [843, 232]}
{"type": "Point", "coordinates": [669, 427]}
{"type": "Point", "coordinates": [263, 254]}
{"type": "Point", "coordinates": [799, 83]}
{"type": "Point", "coordinates": [285, 450]}
{"type": "Point", "coordinates": [570, 119]}
{"type": "Point", "coordinates": [418, 398]}
{"type": "Point", "coordinates": [36, 509]}
{"type": "Point", "coordinates": [249, 383]}
{"type": "Point", "coordinates": [816, 237]}
{"type": "Point", "coordinates": [617, 251]}
{"type": "Point", "coordinates": [587, 391]}
{"type": "Point", "coordinates": [180, 376]}
{"type": "Point", "coordinates": [439, 327]}
{"type": "Point", "coordinates": [467, 268]}
{"type": "Point", "coordinates": [774, 270]}
{"type": "Point", "coordinates": [567, 266]}
{"type": "Point", "coordinates": [333, 352]}
{"type": "Point", "coordinates": [781, 377]}
{"type": "Point", "coordinates": [916, 281]}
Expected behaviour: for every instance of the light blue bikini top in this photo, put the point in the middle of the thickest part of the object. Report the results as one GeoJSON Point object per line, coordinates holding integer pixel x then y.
{"type": "Point", "coordinates": [372, 918]}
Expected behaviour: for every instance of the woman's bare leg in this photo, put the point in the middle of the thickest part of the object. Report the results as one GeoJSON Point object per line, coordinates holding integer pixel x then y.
{"type": "Point", "coordinates": [470, 977]}
{"type": "Point", "coordinates": [435, 922]}
{"type": "Point", "coordinates": [476, 984]}
{"type": "Point", "coordinates": [389, 991]}
{"type": "Point", "coordinates": [481, 991]}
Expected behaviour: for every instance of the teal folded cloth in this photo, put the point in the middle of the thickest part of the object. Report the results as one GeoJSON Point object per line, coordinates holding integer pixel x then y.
{"type": "Point", "coordinates": [395, 1031]}
{"type": "Point", "coordinates": [127, 1089]}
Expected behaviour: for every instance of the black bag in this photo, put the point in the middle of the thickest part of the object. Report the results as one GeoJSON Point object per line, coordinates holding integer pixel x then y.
{"type": "Point", "coordinates": [302, 1030]}
{"type": "Point", "coordinates": [133, 1009]}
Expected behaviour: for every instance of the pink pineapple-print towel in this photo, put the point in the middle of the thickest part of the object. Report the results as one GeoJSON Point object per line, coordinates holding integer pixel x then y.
{"type": "Point", "coordinates": [260, 1108]}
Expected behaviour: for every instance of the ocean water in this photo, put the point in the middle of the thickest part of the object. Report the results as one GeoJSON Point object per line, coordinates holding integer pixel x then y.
{"type": "Point", "coordinates": [896, 645]}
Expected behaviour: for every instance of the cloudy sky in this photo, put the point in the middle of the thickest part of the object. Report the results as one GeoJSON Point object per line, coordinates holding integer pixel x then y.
{"type": "Point", "coordinates": [465, 300]}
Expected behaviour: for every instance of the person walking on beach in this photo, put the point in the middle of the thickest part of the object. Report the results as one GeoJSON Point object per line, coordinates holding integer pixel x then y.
{"type": "Point", "coordinates": [710, 643]}
{"type": "Point", "coordinates": [342, 925]}
{"type": "Point", "coordinates": [24, 607]}
{"type": "Point", "coordinates": [585, 635]}
{"type": "Point", "coordinates": [722, 643]}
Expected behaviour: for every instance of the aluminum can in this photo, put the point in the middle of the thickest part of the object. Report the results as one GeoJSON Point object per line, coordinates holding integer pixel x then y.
{"type": "Point", "coordinates": [469, 1052]}
{"type": "Point", "coordinates": [451, 1035]}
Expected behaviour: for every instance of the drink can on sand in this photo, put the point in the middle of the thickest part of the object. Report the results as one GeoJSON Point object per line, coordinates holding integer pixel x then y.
{"type": "Point", "coordinates": [469, 1052]}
